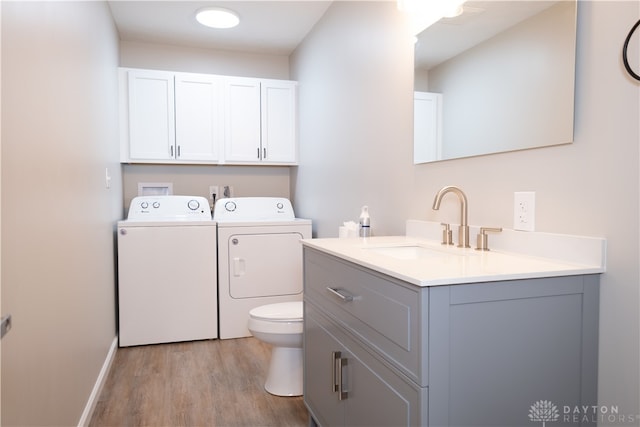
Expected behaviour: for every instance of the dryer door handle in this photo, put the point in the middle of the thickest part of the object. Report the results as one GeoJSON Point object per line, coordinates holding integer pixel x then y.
{"type": "Point", "coordinates": [239, 267]}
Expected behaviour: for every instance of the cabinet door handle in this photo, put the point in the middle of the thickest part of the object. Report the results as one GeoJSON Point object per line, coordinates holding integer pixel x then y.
{"type": "Point", "coordinates": [335, 357]}
{"type": "Point", "coordinates": [258, 156]}
{"type": "Point", "coordinates": [178, 151]}
{"type": "Point", "coordinates": [340, 294]}
{"type": "Point", "coordinates": [264, 153]}
{"type": "Point", "coordinates": [342, 395]}
{"type": "Point", "coordinates": [171, 150]}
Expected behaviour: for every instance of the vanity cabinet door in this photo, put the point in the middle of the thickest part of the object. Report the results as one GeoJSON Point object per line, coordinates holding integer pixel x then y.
{"type": "Point", "coordinates": [346, 385]}
{"type": "Point", "coordinates": [320, 392]}
{"type": "Point", "coordinates": [498, 348]}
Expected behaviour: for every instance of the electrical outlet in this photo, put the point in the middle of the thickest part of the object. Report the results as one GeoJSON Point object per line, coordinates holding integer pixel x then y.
{"type": "Point", "coordinates": [524, 210]}
{"type": "Point", "coordinates": [214, 193]}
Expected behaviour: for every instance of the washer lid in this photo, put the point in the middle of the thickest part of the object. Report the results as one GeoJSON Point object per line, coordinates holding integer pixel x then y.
{"type": "Point", "coordinates": [283, 311]}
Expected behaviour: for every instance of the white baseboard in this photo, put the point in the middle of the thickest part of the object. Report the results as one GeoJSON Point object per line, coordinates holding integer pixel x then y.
{"type": "Point", "coordinates": [97, 388]}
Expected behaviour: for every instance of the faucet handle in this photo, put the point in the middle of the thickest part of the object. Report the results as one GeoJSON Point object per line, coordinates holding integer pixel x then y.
{"type": "Point", "coordinates": [447, 234]}
{"type": "Point", "coordinates": [483, 238]}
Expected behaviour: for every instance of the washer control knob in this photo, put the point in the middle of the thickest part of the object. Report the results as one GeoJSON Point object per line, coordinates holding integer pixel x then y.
{"type": "Point", "coordinates": [144, 205]}
{"type": "Point", "coordinates": [193, 204]}
{"type": "Point", "coordinates": [280, 205]}
{"type": "Point", "coordinates": [230, 206]}
{"type": "Point", "coordinates": [156, 205]}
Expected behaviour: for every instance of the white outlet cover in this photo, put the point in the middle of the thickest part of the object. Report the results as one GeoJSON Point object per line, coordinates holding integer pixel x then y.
{"type": "Point", "coordinates": [524, 210]}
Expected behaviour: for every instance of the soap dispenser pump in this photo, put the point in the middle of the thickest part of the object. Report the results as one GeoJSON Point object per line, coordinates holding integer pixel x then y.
{"type": "Point", "coordinates": [365, 222]}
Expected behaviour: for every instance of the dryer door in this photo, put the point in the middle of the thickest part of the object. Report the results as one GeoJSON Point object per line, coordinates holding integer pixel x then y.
{"type": "Point", "coordinates": [263, 265]}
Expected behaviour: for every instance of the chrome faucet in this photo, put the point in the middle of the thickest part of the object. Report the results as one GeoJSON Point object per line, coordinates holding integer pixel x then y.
{"type": "Point", "coordinates": [463, 230]}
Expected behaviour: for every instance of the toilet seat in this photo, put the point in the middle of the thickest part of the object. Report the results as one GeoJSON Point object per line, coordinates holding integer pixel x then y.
{"type": "Point", "coordinates": [279, 312]}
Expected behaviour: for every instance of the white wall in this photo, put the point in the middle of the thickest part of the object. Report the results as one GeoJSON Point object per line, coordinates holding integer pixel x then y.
{"type": "Point", "coordinates": [356, 118]}
{"type": "Point", "coordinates": [59, 134]}
{"type": "Point", "coordinates": [355, 76]}
{"type": "Point", "coordinates": [206, 61]}
{"type": "Point", "coordinates": [195, 180]}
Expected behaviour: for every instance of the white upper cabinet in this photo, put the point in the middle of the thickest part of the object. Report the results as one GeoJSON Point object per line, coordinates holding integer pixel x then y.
{"type": "Point", "coordinates": [151, 115]}
{"type": "Point", "coordinates": [242, 120]}
{"type": "Point", "coordinates": [279, 119]}
{"type": "Point", "coordinates": [199, 127]}
{"type": "Point", "coordinates": [260, 121]}
{"type": "Point", "coordinates": [169, 117]}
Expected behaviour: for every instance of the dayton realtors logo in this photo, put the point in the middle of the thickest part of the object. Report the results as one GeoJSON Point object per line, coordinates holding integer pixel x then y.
{"type": "Point", "coordinates": [543, 411]}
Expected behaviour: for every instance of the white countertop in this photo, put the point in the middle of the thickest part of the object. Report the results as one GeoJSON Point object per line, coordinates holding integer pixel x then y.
{"type": "Point", "coordinates": [446, 265]}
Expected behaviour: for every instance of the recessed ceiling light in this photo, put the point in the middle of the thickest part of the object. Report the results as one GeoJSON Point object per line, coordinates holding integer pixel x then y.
{"type": "Point", "coordinates": [216, 17]}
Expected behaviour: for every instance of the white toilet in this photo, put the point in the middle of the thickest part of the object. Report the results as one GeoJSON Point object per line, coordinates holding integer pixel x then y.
{"type": "Point", "coordinates": [281, 326]}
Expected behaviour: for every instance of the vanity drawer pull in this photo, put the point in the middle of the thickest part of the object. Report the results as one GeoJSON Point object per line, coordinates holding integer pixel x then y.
{"type": "Point", "coordinates": [335, 356]}
{"type": "Point", "coordinates": [339, 293]}
{"type": "Point", "coordinates": [338, 365]}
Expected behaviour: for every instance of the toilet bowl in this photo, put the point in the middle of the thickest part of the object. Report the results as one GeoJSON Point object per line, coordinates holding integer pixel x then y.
{"type": "Point", "coordinates": [280, 325]}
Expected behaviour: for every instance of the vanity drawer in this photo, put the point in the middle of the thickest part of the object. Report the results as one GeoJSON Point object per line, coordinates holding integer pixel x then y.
{"type": "Point", "coordinates": [387, 315]}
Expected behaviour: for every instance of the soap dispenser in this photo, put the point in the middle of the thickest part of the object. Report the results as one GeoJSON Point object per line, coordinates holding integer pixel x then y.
{"type": "Point", "coordinates": [365, 222]}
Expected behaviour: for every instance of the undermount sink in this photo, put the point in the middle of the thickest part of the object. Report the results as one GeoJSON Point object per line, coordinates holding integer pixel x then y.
{"type": "Point", "coordinates": [408, 252]}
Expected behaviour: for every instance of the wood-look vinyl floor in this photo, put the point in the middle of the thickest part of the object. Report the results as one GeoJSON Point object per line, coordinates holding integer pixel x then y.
{"type": "Point", "coordinates": [200, 383]}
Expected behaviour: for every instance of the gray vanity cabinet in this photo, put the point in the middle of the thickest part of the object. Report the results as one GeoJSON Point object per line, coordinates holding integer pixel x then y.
{"type": "Point", "coordinates": [345, 382]}
{"type": "Point", "coordinates": [380, 351]}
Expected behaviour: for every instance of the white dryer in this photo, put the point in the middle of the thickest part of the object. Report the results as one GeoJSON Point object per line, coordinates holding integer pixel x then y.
{"type": "Point", "coordinates": [167, 273]}
{"type": "Point", "coordinates": [259, 257]}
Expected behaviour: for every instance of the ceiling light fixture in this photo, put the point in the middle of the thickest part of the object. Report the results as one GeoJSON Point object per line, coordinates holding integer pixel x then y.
{"type": "Point", "coordinates": [216, 17]}
{"type": "Point", "coordinates": [423, 14]}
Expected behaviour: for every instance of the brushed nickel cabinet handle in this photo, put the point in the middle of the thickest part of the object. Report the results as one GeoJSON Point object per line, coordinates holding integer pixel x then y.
{"type": "Point", "coordinates": [340, 294]}
{"type": "Point", "coordinates": [342, 395]}
{"type": "Point", "coordinates": [335, 357]}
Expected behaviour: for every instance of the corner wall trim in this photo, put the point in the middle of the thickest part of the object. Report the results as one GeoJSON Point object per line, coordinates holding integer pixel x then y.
{"type": "Point", "coordinates": [97, 388]}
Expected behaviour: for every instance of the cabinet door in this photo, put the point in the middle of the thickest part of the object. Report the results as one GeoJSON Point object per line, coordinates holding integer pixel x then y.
{"type": "Point", "coordinates": [364, 380]}
{"type": "Point", "coordinates": [198, 116]}
{"type": "Point", "coordinates": [279, 134]}
{"type": "Point", "coordinates": [151, 115]}
{"type": "Point", "coordinates": [427, 127]}
{"type": "Point", "coordinates": [242, 120]}
{"type": "Point", "coordinates": [319, 372]}
{"type": "Point", "coordinates": [498, 348]}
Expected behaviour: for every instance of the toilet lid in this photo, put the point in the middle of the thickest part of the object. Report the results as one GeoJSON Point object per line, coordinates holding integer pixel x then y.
{"type": "Point", "coordinates": [278, 312]}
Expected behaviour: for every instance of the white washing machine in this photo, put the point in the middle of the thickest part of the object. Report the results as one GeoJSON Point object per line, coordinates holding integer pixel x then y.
{"type": "Point", "coordinates": [259, 257]}
{"type": "Point", "coordinates": [167, 273]}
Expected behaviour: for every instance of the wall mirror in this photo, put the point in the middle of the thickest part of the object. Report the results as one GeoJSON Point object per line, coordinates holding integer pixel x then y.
{"type": "Point", "coordinates": [499, 77]}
